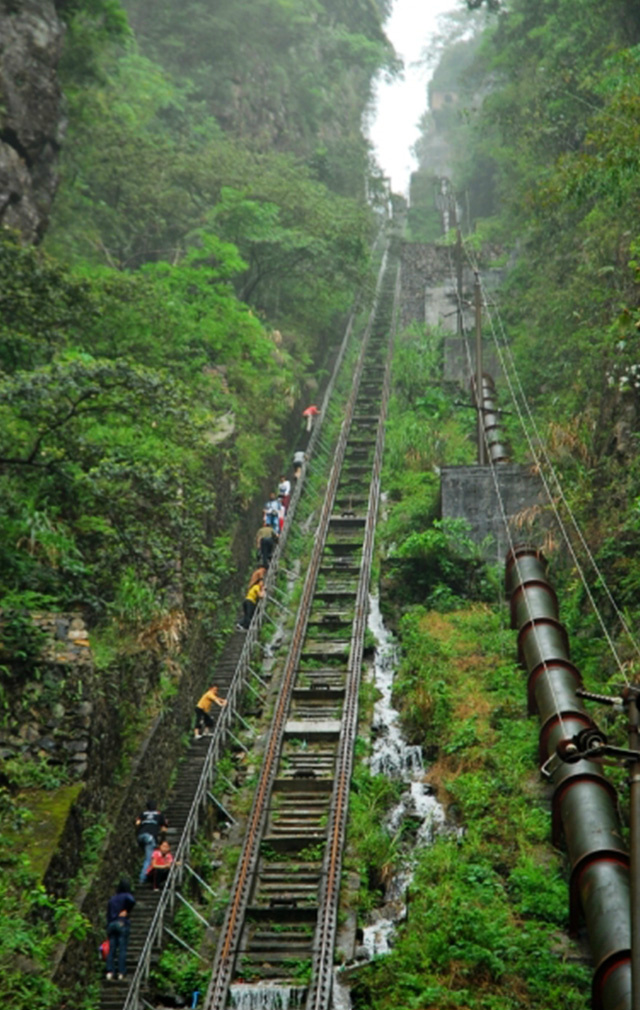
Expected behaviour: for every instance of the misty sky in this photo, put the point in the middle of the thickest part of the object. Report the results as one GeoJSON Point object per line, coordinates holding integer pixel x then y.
{"type": "Point", "coordinates": [399, 105]}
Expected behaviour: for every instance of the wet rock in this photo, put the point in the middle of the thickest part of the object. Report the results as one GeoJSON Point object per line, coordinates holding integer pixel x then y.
{"type": "Point", "coordinates": [31, 119]}
{"type": "Point", "coordinates": [25, 965]}
{"type": "Point", "coordinates": [47, 744]}
{"type": "Point", "coordinates": [29, 733]}
{"type": "Point", "coordinates": [75, 746]}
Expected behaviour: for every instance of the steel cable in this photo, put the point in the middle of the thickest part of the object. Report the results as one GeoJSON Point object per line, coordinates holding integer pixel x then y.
{"type": "Point", "coordinates": [505, 521]}
{"type": "Point", "coordinates": [500, 344]}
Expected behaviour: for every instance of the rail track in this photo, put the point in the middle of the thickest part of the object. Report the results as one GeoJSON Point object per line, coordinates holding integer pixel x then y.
{"type": "Point", "coordinates": [280, 928]}
{"type": "Point", "coordinates": [280, 925]}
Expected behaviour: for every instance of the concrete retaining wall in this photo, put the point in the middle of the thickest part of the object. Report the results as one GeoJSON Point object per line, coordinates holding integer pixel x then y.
{"type": "Point", "coordinates": [469, 492]}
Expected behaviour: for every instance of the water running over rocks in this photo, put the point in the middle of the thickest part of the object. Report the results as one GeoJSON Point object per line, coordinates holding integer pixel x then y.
{"type": "Point", "coordinates": [266, 996]}
{"type": "Point", "coordinates": [392, 756]}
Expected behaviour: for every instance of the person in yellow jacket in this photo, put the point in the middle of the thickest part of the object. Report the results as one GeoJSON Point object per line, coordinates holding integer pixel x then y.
{"type": "Point", "coordinates": [204, 720]}
{"type": "Point", "coordinates": [255, 592]}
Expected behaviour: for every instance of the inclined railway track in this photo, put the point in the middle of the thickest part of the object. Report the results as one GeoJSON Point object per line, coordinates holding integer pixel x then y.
{"type": "Point", "coordinates": [234, 674]}
{"type": "Point", "coordinates": [280, 925]}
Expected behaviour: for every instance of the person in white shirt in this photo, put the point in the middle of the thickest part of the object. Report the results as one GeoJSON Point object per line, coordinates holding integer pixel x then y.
{"type": "Point", "coordinates": [284, 492]}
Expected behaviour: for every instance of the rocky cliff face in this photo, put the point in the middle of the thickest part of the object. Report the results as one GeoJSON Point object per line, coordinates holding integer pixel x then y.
{"type": "Point", "coordinates": [31, 113]}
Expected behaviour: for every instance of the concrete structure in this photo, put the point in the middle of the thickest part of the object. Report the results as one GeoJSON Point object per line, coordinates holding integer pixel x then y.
{"type": "Point", "coordinates": [457, 366]}
{"type": "Point", "coordinates": [429, 297]}
{"type": "Point", "coordinates": [460, 360]}
{"type": "Point", "coordinates": [427, 286]}
{"type": "Point", "coordinates": [469, 492]}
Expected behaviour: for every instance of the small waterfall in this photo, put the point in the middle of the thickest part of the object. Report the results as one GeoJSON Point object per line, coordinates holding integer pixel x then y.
{"type": "Point", "coordinates": [393, 757]}
{"type": "Point", "coordinates": [266, 996]}
{"type": "Point", "coordinates": [340, 994]}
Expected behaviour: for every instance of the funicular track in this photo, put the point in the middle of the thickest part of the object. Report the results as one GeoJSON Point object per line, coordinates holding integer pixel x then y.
{"type": "Point", "coordinates": [193, 792]}
{"type": "Point", "coordinates": [334, 622]}
{"type": "Point", "coordinates": [281, 922]}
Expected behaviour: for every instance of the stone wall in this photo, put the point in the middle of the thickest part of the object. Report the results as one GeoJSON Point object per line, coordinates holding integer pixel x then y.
{"type": "Point", "coordinates": [119, 802]}
{"type": "Point", "coordinates": [50, 706]}
{"type": "Point", "coordinates": [116, 794]}
{"type": "Point", "coordinates": [32, 122]}
{"type": "Point", "coordinates": [423, 267]}
{"type": "Point", "coordinates": [460, 355]}
{"type": "Point", "coordinates": [429, 297]}
{"type": "Point", "coordinates": [469, 492]}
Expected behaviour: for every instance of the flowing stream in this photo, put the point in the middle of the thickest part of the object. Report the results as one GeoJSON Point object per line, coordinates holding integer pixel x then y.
{"type": "Point", "coordinates": [392, 756]}
{"type": "Point", "coordinates": [266, 996]}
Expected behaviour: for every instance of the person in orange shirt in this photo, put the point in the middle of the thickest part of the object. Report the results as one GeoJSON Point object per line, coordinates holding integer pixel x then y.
{"type": "Point", "coordinates": [204, 720]}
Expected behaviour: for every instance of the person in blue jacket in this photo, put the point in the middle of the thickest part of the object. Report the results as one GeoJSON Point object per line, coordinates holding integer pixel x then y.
{"type": "Point", "coordinates": [119, 909]}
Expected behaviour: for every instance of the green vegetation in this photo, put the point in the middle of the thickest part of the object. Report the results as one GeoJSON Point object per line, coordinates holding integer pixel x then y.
{"type": "Point", "coordinates": [206, 243]}
{"type": "Point", "coordinates": [488, 903]}
{"type": "Point", "coordinates": [195, 271]}
{"type": "Point", "coordinates": [180, 971]}
{"type": "Point", "coordinates": [542, 130]}
{"type": "Point", "coordinates": [34, 925]}
{"type": "Point", "coordinates": [487, 908]}
{"type": "Point", "coordinates": [425, 559]}
{"type": "Point", "coordinates": [373, 852]}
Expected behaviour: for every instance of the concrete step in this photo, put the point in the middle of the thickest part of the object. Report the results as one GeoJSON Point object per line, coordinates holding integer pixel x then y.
{"type": "Point", "coordinates": [331, 647]}
{"type": "Point", "coordinates": [266, 960]}
{"type": "Point", "coordinates": [320, 677]}
{"type": "Point", "coordinates": [315, 713]}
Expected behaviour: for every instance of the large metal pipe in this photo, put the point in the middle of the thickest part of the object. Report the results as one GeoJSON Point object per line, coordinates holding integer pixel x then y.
{"type": "Point", "coordinates": [584, 801]}
{"type": "Point", "coordinates": [495, 443]}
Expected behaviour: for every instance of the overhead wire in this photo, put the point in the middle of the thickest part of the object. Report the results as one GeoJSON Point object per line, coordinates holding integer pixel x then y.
{"type": "Point", "coordinates": [505, 520]}
{"type": "Point", "coordinates": [499, 345]}
{"type": "Point", "coordinates": [600, 109]}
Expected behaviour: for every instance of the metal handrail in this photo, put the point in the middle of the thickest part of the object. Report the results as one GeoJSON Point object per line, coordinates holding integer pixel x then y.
{"type": "Point", "coordinates": [221, 976]}
{"type": "Point", "coordinates": [227, 714]}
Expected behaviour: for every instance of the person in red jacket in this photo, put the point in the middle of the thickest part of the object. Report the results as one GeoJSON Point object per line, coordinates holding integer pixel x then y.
{"type": "Point", "coordinates": [161, 862]}
{"type": "Point", "coordinates": [310, 413]}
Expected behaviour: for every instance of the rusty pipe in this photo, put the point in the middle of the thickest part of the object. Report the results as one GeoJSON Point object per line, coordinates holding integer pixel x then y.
{"type": "Point", "coordinates": [496, 446]}
{"type": "Point", "coordinates": [584, 801]}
